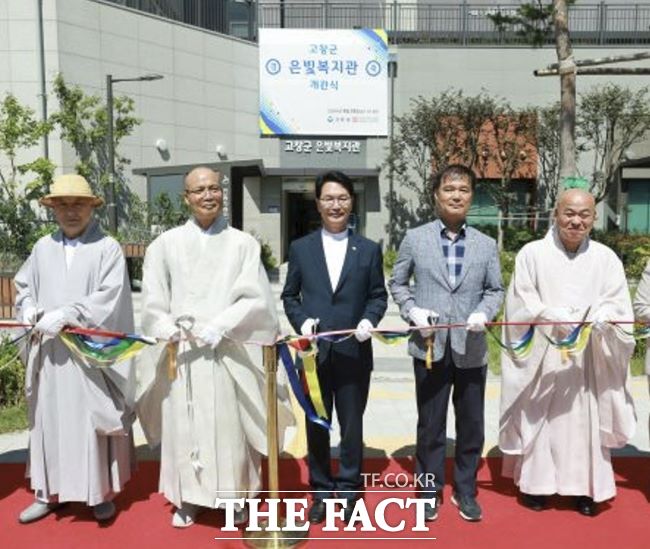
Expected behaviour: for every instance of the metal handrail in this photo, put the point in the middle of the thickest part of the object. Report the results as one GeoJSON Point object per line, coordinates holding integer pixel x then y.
{"type": "Point", "coordinates": [460, 23]}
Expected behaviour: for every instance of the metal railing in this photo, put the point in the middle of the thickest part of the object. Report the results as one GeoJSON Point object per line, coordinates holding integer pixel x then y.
{"type": "Point", "coordinates": [458, 23]}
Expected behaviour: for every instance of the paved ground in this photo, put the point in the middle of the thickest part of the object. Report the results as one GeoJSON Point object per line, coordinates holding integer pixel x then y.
{"type": "Point", "coordinates": [390, 418]}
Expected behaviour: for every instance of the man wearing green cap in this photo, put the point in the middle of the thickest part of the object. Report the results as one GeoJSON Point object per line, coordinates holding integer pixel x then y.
{"type": "Point", "coordinates": [80, 442]}
{"type": "Point", "coordinates": [563, 410]}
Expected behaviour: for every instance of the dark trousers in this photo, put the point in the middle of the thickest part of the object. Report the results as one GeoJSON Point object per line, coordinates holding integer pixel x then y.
{"type": "Point", "coordinates": [432, 392]}
{"type": "Point", "coordinates": [344, 384]}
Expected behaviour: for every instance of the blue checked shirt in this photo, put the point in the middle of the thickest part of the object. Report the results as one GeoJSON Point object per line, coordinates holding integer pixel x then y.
{"type": "Point", "coordinates": [453, 251]}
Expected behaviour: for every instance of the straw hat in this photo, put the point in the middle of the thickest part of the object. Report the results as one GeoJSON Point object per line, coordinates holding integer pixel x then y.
{"type": "Point", "coordinates": [70, 185]}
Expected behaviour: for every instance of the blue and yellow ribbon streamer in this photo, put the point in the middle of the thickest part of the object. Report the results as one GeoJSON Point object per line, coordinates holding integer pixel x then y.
{"type": "Point", "coordinates": [292, 375]}
{"type": "Point", "coordinates": [519, 349]}
{"type": "Point", "coordinates": [104, 353]}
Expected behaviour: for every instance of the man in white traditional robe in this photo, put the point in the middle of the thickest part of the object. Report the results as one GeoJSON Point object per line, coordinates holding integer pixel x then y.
{"type": "Point", "coordinates": [642, 311]}
{"type": "Point", "coordinates": [204, 286]}
{"type": "Point", "coordinates": [80, 441]}
{"type": "Point", "coordinates": [561, 412]}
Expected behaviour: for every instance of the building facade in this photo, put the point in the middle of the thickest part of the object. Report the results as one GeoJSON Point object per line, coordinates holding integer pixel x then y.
{"type": "Point", "coordinates": [205, 109]}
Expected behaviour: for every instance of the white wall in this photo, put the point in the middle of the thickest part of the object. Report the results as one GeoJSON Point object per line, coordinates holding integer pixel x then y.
{"type": "Point", "coordinates": [209, 95]}
{"type": "Point", "coordinates": [19, 58]}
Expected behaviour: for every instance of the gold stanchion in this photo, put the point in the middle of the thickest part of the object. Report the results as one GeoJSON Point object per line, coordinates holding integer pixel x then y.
{"type": "Point", "coordinates": [265, 538]}
{"type": "Point", "coordinates": [172, 351]}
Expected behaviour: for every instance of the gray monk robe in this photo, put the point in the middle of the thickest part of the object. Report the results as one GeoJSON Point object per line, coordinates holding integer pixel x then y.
{"type": "Point", "coordinates": [213, 428]}
{"type": "Point", "coordinates": [80, 444]}
{"type": "Point", "coordinates": [561, 413]}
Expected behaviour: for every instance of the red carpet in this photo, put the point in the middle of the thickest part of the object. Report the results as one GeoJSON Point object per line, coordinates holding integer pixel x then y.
{"type": "Point", "coordinates": [143, 518]}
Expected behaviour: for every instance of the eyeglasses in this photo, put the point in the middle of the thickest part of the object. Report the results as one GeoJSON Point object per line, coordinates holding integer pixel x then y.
{"type": "Point", "coordinates": [200, 191]}
{"type": "Point", "coordinates": [329, 201]}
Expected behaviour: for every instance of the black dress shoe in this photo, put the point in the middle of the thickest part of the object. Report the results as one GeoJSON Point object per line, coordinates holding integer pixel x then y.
{"type": "Point", "coordinates": [534, 502]}
{"type": "Point", "coordinates": [431, 511]}
{"type": "Point", "coordinates": [317, 512]}
{"type": "Point", "coordinates": [586, 506]}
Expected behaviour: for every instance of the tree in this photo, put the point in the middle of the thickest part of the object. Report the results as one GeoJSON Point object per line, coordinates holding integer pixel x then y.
{"type": "Point", "coordinates": [567, 70]}
{"type": "Point", "coordinates": [433, 133]}
{"type": "Point", "coordinates": [507, 144]}
{"type": "Point", "coordinates": [83, 122]}
{"type": "Point", "coordinates": [19, 221]}
{"type": "Point", "coordinates": [166, 213]}
{"type": "Point", "coordinates": [534, 22]}
{"type": "Point", "coordinates": [611, 119]}
{"type": "Point", "coordinates": [478, 131]}
{"type": "Point", "coordinates": [548, 152]}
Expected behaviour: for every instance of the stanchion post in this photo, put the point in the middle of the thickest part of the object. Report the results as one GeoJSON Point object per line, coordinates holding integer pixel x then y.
{"type": "Point", "coordinates": [271, 370]}
{"type": "Point", "coordinates": [264, 537]}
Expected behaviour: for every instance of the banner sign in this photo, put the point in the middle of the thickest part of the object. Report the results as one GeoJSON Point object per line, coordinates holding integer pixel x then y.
{"type": "Point", "coordinates": [323, 82]}
{"type": "Point", "coordinates": [324, 152]}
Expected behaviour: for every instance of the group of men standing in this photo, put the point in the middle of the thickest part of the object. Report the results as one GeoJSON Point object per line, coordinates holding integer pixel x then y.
{"type": "Point", "coordinates": [205, 294]}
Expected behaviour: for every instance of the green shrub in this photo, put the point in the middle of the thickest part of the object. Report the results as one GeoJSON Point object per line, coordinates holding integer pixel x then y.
{"type": "Point", "coordinates": [514, 238]}
{"type": "Point", "coordinates": [268, 260]}
{"type": "Point", "coordinates": [166, 213]}
{"type": "Point", "coordinates": [390, 257]}
{"type": "Point", "coordinates": [633, 249]}
{"type": "Point", "coordinates": [12, 375]}
{"type": "Point", "coordinates": [507, 260]}
{"type": "Point", "coordinates": [266, 253]}
{"type": "Point", "coordinates": [43, 229]}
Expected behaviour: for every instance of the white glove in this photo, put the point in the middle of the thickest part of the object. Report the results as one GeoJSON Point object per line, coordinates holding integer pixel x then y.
{"type": "Point", "coordinates": [32, 314]}
{"type": "Point", "coordinates": [51, 323]}
{"type": "Point", "coordinates": [559, 314]}
{"type": "Point", "coordinates": [211, 337]}
{"type": "Point", "coordinates": [363, 330]}
{"type": "Point", "coordinates": [476, 322]}
{"type": "Point", "coordinates": [309, 326]}
{"type": "Point", "coordinates": [600, 320]}
{"type": "Point", "coordinates": [174, 337]}
{"type": "Point", "coordinates": [424, 317]}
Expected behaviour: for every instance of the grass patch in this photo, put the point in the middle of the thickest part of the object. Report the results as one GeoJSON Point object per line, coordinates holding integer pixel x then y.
{"type": "Point", "coordinates": [637, 366]}
{"type": "Point", "coordinates": [494, 356]}
{"type": "Point", "coordinates": [13, 418]}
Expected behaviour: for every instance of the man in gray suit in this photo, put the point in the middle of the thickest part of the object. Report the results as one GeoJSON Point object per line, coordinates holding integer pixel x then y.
{"type": "Point", "coordinates": [457, 280]}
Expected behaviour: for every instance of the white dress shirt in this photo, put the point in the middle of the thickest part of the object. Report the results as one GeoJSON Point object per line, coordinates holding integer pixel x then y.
{"type": "Point", "coordinates": [335, 246]}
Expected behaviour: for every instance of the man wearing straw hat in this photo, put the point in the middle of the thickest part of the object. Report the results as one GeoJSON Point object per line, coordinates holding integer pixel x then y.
{"type": "Point", "coordinates": [204, 287]}
{"type": "Point", "coordinates": [563, 408]}
{"type": "Point", "coordinates": [80, 443]}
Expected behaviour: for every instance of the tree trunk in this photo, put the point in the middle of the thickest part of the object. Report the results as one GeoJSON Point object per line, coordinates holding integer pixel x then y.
{"type": "Point", "coordinates": [568, 90]}
{"type": "Point", "coordinates": [500, 230]}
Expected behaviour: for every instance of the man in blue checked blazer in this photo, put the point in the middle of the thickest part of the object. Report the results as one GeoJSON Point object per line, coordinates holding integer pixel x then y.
{"type": "Point", "coordinates": [457, 280]}
{"type": "Point", "coordinates": [335, 281]}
